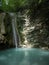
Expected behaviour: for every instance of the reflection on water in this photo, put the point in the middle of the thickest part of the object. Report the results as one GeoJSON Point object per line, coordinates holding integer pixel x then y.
{"type": "Point", "coordinates": [24, 62]}
{"type": "Point", "coordinates": [26, 53]}
{"type": "Point", "coordinates": [44, 53]}
{"type": "Point", "coordinates": [24, 56]}
{"type": "Point", "coordinates": [3, 58]}
{"type": "Point", "coordinates": [25, 59]}
{"type": "Point", "coordinates": [9, 55]}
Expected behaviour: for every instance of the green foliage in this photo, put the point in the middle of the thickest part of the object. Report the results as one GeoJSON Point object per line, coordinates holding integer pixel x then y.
{"type": "Point", "coordinates": [12, 6]}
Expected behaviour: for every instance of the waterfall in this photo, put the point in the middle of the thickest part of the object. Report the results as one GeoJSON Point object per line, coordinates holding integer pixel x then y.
{"type": "Point", "coordinates": [13, 17]}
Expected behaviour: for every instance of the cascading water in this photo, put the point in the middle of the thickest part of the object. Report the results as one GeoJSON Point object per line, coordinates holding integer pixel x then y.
{"type": "Point", "coordinates": [13, 17]}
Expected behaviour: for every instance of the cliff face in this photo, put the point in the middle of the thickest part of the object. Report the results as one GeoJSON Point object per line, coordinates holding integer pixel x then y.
{"type": "Point", "coordinates": [8, 30]}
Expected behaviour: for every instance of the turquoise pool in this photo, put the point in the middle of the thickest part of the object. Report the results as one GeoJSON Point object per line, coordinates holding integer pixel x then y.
{"type": "Point", "coordinates": [24, 56]}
